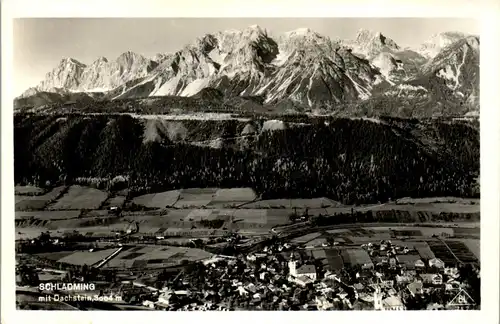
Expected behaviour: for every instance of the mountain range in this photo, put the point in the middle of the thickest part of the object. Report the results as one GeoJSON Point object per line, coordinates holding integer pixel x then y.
{"type": "Point", "coordinates": [370, 74]}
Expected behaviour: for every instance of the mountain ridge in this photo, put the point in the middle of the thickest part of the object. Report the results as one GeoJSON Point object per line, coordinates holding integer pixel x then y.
{"type": "Point", "coordinates": [302, 66]}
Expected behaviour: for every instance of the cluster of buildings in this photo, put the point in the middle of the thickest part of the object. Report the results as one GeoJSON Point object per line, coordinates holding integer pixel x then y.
{"type": "Point", "coordinates": [277, 277]}
{"type": "Point", "coordinates": [399, 279]}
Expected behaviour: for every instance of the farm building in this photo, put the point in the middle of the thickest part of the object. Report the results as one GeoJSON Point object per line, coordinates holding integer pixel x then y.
{"type": "Point", "coordinates": [409, 260]}
{"type": "Point", "coordinates": [431, 278]}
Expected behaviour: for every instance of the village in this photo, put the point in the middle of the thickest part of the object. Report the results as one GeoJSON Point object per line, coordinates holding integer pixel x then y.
{"type": "Point", "coordinates": [281, 275]}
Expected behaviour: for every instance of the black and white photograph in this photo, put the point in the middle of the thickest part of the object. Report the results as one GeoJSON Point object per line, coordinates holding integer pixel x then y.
{"type": "Point", "coordinates": [246, 164]}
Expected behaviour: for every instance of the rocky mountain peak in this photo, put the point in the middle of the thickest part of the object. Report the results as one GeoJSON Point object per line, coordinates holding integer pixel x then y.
{"type": "Point", "coordinates": [100, 60]}
{"type": "Point", "coordinates": [371, 38]}
{"type": "Point", "coordinates": [437, 42]}
{"type": "Point", "coordinates": [70, 61]}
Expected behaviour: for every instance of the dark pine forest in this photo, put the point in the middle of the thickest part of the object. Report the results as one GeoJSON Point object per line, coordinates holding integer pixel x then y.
{"type": "Point", "coordinates": [353, 161]}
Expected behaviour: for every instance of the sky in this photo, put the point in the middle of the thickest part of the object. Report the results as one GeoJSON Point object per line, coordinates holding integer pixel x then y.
{"type": "Point", "coordinates": [40, 43]}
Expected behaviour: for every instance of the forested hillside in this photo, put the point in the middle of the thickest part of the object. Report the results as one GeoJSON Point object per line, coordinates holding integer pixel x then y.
{"type": "Point", "coordinates": [349, 160]}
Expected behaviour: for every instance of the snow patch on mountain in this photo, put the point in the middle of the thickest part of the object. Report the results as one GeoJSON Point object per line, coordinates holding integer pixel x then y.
{"type": "Point", "coordinates": [437, 42]}
{"type": "Point", "coordinates": [386, 63]}
{"type": "Point", "coordinates": [169, 88]}
{"type": "Point", "coordinates": [195, 87]}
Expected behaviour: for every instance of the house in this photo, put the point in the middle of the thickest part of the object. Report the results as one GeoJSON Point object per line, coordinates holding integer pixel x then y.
{"type": "Point", "coordinates": [452, 272]}
{"type": "Point", "coordinates": [148, 303]}
{"type": "Point", "coordinates": [419, 264]}
{"type": "Point", "coordinates": [392, 262]}
{"type": "Point", "coordinates": [380, 260]}
{"type": "Point", "coordinates": [437, 263]}
{"type": "Point", "coordinates": [242, 291]}
{"type": "Point", "coordinates": [408, 260]}
{"type": "Point", "coordinates": [301, 280]}
{"type": "Point", "coordinates": [307, 270]}
{"type": "Point", "coordinates": [415, 288]}
{"type": "Point", "coordinates": [389, 303]}
{"type": "Point", "coordinates": [393, 303]}
{"type": "Point", "coordinates": [251, 287]}
{"type": "Point", "coordinates": [322, 303]}
{"type": "Point", "coordinates": [403, 278]}
{"type": "Point", "coordinates": [251, 257]}
{"type": "Point", "coordinates": [432, 278]}
{"type": "Point", "coordinates": [359, 286]}
{"type": "Point", "coordinates": [164, 298]}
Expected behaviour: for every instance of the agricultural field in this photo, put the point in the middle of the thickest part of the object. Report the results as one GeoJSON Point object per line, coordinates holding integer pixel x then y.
{"type": "Point", "coordinates": [31, 204]}
{"type": "Point", "coordinates": [39, 202]}
{"type": "Point", "coordinates": [116, 201]}
{"type": "Point", "coordinates": [265, 204]}
{"type": "Point", "coordinates": [29, 233]}
{"type": "Point", "coordinates": [79, 197]}
{"type": "Point", "coordinates": [306, 238]}
{"type": "Point", "coordinates": [54, 256]}
{"type": "Point", "coordinates": [96, 213]}
{"type": "Point", "coordinates": [317, 241]}
{"type": "Point", "coordinates": [44, 276]}
{"type": "Point", "coordinates": [195, 197]}
{"type": "Point", "coordinates": [441, 251]}
{"type": "Point", "coordinates": [434, 200]}
{"type": "Point", "coordinates": [338, 231]}
{"type": "Point", "coordinates": [361, 239]}
{"type": "Point", "coordinates": [429, 231]}
{"type": "Point", "coordinates": [234, 196]}
{"type": "Point", "coordinates": [467, 231]}
{"type": "Point", "coordinates": [310, 203]}
{"type": "Point", "coordinates": [428, 205]}
{"type": "Point", "coordinates": [49, 215]}
{"type": "Point", "coordinates": [28, 190]}
{"type": "Point", "coordinates": [378, 234]}
{"type": "Point", "coordinates": [86, 257]}
{"type": "Point", "coordinates": [158, 200]}
{"type": "Point", "coordinates": [474, 246]}
{"type": "Point", "coordinates": [313, 203]}
{"type": "Point", "coordinates": [243, 198]}
{"type": "Point", "coordinates": [335, 261]}
{"type": "Point", "coordinates": [277, 217]}
{"type": "Point", "coordinates": [155, 257]}
{"type": "Point", "coordinates": [461, 251]}
{"type": "Point", "coordinates": [405, 232]}
{"type": "Point", "coordinates": [424, 250]}
{"type": "Point", "coordinates": [255, 216]}
{"type": "Point", "coordinates": [196, 215]}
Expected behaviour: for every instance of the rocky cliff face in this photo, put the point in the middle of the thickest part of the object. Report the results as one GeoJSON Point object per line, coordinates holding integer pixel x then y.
{"type": "Point", "coordinates": [300, 67]}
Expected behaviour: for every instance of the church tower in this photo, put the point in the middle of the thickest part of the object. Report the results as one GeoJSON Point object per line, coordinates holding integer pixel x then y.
{"type": "Point", "coordinates": [292, 267]}
{"type": "Point", "coordinates": [377, 299]}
